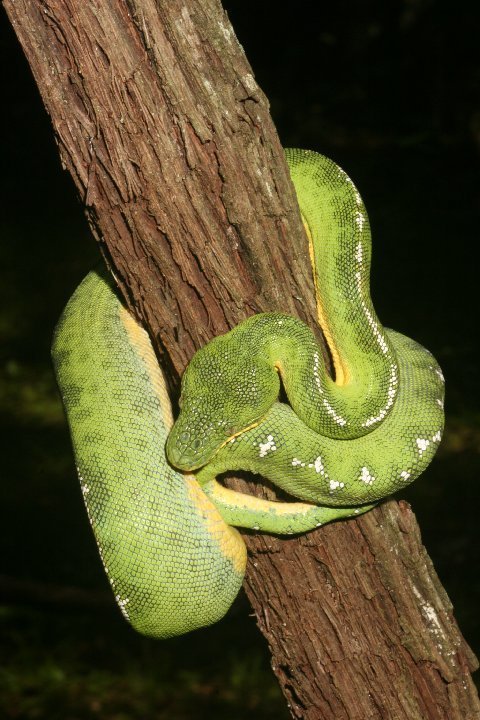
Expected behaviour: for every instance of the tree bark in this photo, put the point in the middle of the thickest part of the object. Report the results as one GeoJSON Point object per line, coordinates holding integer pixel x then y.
{"type": "Point", "coordinates": [170, 144]}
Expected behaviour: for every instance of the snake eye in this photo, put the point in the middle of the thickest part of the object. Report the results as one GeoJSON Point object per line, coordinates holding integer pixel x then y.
{"type": "Point", "coordinates": [196, 443]}
{"type": "Point", "coordinates": [184, 436]}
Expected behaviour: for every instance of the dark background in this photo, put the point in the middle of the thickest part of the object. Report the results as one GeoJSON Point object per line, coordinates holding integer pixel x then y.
{"type": "Point", "coordinates": [390, 91]}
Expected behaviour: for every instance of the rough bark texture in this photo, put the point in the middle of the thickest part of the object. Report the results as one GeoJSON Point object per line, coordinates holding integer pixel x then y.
{"type": "Point", "coordinates": [169, 141]}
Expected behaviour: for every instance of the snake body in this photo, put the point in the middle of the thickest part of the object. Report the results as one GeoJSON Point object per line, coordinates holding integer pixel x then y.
{"type": "Point", "coordinates": [173, 563]}
{"type": "Point", "coordinates": [164, 534]}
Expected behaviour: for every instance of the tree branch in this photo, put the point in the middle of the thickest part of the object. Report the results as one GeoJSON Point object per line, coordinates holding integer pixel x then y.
{"type": "Point", "coordinates": [171, 147]}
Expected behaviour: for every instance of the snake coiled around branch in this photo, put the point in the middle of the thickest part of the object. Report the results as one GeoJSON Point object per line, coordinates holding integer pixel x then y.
{"type": "Point", "coordinates": [162, 521]}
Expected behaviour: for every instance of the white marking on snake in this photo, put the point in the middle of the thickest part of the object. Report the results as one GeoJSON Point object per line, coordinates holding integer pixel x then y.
{"type": "Point", "coordinates": [319, 467]}
{"type": "Point", "coordinates": [267, 447]}
{"type": "Point", "coordinates": [405, 474]}
{"type": "Point", "coordinates": [391, 393]}
{"type": "Point", "coordinates": [360, 220]}
{"type": "Point", "coordinates": [330, 410]}
{"type": "Point", "coordinates": [316, 374]}
{"type": "Point", "coordinates": [122, 605]}
{"type": "Point", "coordinates": [335, 484]}
{"type": "Point", "coordinates": [349, 180]}
{"type": "Point", "coordinates": [422, 444]}
{"type": "Point", "coordinates": [438, 372]}
{"type": "Point", "coordinates": [366, 476]}
{"type": "Point", "coordinates": [393, 380]}
{"type": "Point", "coordinates": [359, 253]}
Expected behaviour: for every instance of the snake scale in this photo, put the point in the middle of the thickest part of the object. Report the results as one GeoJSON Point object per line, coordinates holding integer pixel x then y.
{"type": "Point", "coordinates": [164, 527]}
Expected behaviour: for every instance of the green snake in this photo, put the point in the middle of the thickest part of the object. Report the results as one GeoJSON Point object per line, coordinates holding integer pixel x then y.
{"type": "Point", "coordinates": [164, 527]}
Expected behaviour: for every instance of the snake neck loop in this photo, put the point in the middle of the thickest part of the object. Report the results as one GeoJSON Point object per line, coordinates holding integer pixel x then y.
{"type": "Point", "coordinates": [338, 232]}
{"type": "Point", "coordinates": [231, 383]}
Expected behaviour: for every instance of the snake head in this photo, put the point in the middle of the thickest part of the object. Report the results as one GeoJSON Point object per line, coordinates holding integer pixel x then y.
{"type": "Point", "coordinates": [223, 393]}
{"type": "Point", "coordinates": [197, 435]}
{"type": "Point", "coordinates": [207, 423]}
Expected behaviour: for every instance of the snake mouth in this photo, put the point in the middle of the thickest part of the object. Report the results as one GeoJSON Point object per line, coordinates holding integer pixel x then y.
{"type": "Point", "coordinates": [183, 454]}
{"type": "Point", "coordinates": [185, 458]}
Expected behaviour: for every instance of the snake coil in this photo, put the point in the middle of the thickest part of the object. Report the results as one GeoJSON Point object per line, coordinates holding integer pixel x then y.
{"type": "Point", "coordinates": [164, 529]}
